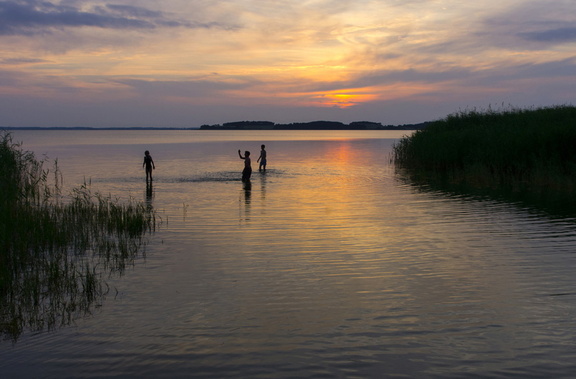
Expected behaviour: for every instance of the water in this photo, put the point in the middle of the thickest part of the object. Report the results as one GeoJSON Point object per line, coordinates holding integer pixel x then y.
{"type": "Point", "coordinates": [327, 266]}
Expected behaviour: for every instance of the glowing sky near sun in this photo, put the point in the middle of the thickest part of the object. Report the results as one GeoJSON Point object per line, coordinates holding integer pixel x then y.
{"type": "Point", "coordinates": [193, 62]}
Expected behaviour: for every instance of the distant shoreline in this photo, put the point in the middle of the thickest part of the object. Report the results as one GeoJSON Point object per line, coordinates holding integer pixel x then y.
{"type": "Point", "coordinates": [313, 125]}
{"type": "Point", "coordinates": [88, 128]}
{"type": "Point", "coordinates": [245, 125]}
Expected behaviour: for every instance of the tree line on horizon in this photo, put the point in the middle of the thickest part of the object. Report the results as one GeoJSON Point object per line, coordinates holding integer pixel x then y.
{"type": "Point", "coordinates": [313, 125]}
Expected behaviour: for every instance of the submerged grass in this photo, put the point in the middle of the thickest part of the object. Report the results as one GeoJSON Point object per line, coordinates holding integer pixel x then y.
{"type": "Point", "coordinates": [54, 250]}
{"type": "Point", "coordinates": [519, 149]}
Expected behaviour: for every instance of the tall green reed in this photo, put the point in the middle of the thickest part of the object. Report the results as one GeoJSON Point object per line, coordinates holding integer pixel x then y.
{"type": "Point", "coordinates": [54, 250]}
{"type": "Point", "coordinates": [526, 148]}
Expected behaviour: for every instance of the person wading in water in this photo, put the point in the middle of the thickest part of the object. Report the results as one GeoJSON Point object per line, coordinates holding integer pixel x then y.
{"type": "Point", "coordinates": [247, 172]}
{"type": "Point", "coordinates": [262, 159]}
{"type": "Point", "coordinates": [149, 163]}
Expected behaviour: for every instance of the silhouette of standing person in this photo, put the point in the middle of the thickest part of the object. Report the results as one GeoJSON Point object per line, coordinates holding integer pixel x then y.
{"type": "Point", "coordinates": [247, 172]}
{"type": "Point", "coordinates": [262, 159]}
{"type": "Point", "coordinates": [149, 164]}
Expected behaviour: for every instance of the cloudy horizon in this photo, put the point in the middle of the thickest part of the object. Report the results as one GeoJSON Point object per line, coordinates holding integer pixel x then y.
{"type": "Point", "coordinates": [183, 63]}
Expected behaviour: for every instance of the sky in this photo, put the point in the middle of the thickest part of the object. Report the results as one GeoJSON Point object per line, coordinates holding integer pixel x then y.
{"type": "Point", "coordinates": [185, 63]}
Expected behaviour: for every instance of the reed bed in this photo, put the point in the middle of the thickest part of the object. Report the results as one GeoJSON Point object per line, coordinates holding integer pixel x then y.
{"type": "Point", "coordinates": [525, 149]}
{"type": "Point", "coordinates": [55, 250]}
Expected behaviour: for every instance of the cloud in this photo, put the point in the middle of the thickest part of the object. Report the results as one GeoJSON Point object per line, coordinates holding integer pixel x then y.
{"type": "Point", "coordinates": [9, 78]}
{"type": "Point", "coordinates": [132, 11]}
{"type": "Point", "coordinates": [192, 59]}
{"type": "Point", "coordinates": [552, 35]}
{"type": "Point", "coordinates": [553, 69]}
{"type": "Point", "coordinates": [191, 88]}
{"type": "Point", "coordinates": [532, 26]}
{"type": "Point", "coordinates": [30, 17]}
{"type": "Point", "coordinates": [21, 61]}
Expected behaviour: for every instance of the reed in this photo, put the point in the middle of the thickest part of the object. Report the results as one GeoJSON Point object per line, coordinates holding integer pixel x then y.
{"type": "Point", "coordinates": [521, 148]}
{"type": "Point", "coordinates": [54, 250]}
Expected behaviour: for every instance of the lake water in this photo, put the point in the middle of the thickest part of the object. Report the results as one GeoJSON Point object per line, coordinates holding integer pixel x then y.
{"type": "Point", "coordinates": [327, 266]}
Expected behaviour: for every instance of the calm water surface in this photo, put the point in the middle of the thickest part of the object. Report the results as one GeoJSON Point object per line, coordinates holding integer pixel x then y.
{"type": "Point", "coordinates": [327, 266]}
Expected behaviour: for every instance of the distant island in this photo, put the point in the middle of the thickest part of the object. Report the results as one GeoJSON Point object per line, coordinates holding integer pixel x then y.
{"type": "Point", "coordinates": [246, 125]}
{"type": "Point", "coordinates": [313, 125]}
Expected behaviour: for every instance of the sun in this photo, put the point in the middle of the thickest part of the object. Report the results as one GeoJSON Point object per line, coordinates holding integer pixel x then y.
{"type": "Point", "coordinates": [344, 99]}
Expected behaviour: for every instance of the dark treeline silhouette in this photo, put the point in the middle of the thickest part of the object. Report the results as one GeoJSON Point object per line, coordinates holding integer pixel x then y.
{"type": "Point", "coordinates": [313, 125]}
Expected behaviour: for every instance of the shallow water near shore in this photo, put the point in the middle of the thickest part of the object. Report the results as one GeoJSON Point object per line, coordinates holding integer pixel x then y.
{"type": "Point", "coordinates": [327, 265]}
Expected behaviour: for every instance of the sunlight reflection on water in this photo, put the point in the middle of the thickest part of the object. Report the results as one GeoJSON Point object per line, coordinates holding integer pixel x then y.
{"type": "Point", "coordinates": [327, 266]}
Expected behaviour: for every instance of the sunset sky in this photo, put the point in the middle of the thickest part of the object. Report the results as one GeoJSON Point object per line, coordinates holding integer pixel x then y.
{"type": "Point", "coordinates": [184, 63]}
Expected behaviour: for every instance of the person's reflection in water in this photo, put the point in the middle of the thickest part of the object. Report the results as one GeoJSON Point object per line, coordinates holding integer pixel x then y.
{"type": "Point", "coordinates": [263, 187]}
{"type": "Point", "coordinates": [245, 213]}
{"type": "Point", "coordinates": [149, 195]}
{"type": "Point", "coordinates": [247, 191]}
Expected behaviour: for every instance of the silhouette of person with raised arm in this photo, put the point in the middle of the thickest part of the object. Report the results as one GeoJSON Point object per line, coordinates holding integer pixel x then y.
{"type": "Point", "coordinates": [149, 164]}
{"type": "Point", "coordinates": [247, 172]}
{"type": "Point", "coordinates": [262, 159]}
